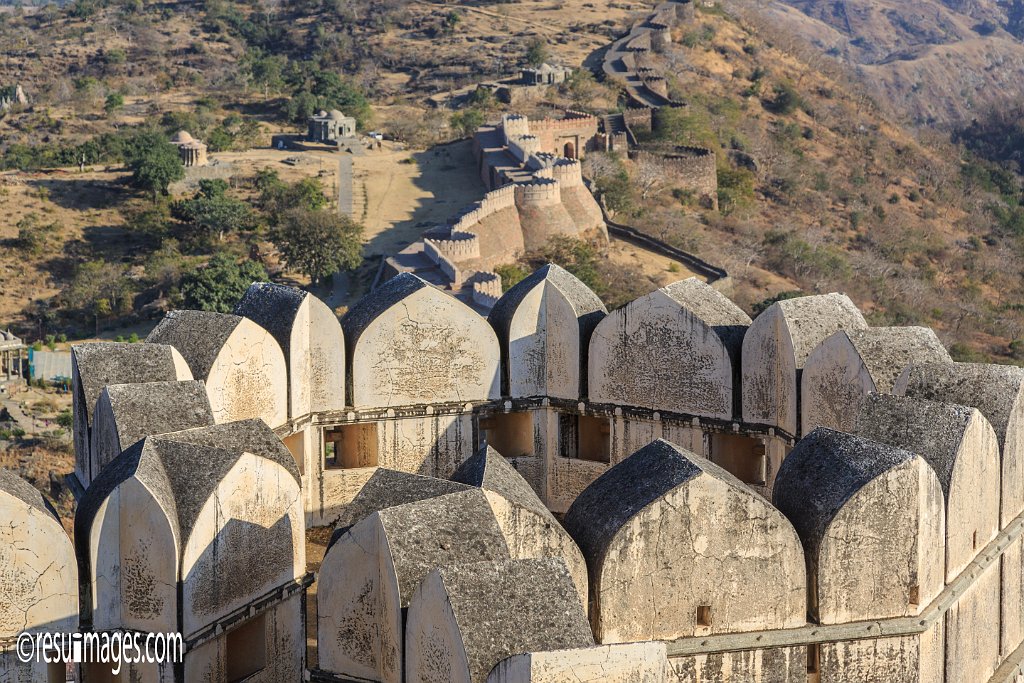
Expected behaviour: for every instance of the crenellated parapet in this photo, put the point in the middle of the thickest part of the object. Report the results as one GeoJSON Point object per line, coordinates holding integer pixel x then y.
{"type": "Point", "coordinates": [522, 147]}
{"type": "Point", "coordinates": [538, 192]}
{"type": "Point", "coordinates": [668, 432]}
{"type": "Point", "coordinates": [433, 251]}
{"type": "Point", "coordinates": [568, 172]}
{"type": "Point", "coordinates": [487, 289]}
{"type": "Point", "coordinates": [514, 125]}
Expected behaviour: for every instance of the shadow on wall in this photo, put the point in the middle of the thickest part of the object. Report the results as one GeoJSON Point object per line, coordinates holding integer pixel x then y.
{"type": "Point", "coordinates": [244, 560]}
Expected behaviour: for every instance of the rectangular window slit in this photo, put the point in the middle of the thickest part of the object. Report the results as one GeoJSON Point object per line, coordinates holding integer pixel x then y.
{"type": "Point", "coordinates": [813, 658]}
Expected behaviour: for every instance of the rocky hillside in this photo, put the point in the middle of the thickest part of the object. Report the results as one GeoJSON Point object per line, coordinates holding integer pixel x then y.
{"type": "Point", "coordinates": [935, 61]}
{"type": "Point", "coordinates": [820, 185]}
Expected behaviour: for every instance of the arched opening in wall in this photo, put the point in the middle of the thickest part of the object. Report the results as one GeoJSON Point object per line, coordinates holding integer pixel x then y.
{"type": "Point", "coordinates": [296, 445]}
{"type": "Point", "coordinates": [350, 446]}
{"type": "Point", "coordinates": [511, 434]}
{"type": "Point", "coordinates": [583, 437]}
{"type": "Point", "coordinates": [569, 151]}
{"type": "Point", "coordinates": [246, 650]}
{"type": "Point", "coordinates": [744, 457]}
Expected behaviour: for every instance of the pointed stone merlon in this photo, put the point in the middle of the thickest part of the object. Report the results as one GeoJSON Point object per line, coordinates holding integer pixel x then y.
{"type": "Point", "coordinates": [38, 572]}
{"type": "Point", "coordinates": [622, 663]}
{"type": "Point", "coordinates": [126, 413]}
{"type": "Point", "coordinates": [544, 324]}
{"type": "Point", "coordinates": [998, 392]}
{"type": "Point", "coordinates": [311, 339]}
{"type": "Point", "coordinates": [673, 518]}
{"type": "Point", "coordinates": [530, 529]}
{"type": "Point", "coordinates": [961, 447]}
{"type": "Point", "coordinates": [242, 364]}
{"type": "Point", "coordinates": [211, 515]}
{"type": "Point", "coordinates": [671, 350]}
{"type": "Point", "coordinates": [95, 365]}
{"type": "Point", "coordinates": [775, 351]}
{"type": "Point", "coordinates": [411, 344]}
{"type": "Point", "coordinates": [871, 521]}
{"type": "Point", "coordinates": [465, 619]}
{"type": "Point", "coordinates": [849, 365]}
{"type": "Point", "coordinates": [370, 572]}
{"type": "Point", "coordinates": [388, 488]}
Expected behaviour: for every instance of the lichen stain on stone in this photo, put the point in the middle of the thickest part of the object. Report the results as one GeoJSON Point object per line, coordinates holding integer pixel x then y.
{"type": "Point", "coordinates": [139, 586]}
{"type": "Point", "coordinates": [425, 360]}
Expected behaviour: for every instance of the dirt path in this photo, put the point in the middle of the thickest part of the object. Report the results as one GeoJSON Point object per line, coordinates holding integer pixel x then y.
{"type": "Point", "coordinates": [410, 190]}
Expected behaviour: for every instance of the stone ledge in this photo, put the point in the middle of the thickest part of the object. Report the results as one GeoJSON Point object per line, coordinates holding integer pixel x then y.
{"type": "Point", "coordinates": [863, 630]}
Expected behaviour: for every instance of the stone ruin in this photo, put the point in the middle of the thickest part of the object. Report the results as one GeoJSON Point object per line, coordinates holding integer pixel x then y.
{"type": "Point", "coordinates": [670, 492]}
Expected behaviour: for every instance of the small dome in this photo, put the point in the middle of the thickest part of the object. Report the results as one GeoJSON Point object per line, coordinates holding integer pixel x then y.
{"type": "Point", "coordinates": [182, 137]}
{"type": "Point", "coordinates": [336, 115]}
{"type": "Point", "coordinates": [321, 114]}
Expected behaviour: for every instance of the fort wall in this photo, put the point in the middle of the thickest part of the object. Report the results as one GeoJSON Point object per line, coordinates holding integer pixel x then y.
{"type": "Point", "coordinates": [447, 265]}
{"type": "Point", "coordinates": [691, 168]}
{"type": "Point", "coordinates": [539, 192]}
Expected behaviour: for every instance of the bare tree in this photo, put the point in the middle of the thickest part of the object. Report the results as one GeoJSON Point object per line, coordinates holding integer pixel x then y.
{"type": "Point", "coordinates": [648, 176]}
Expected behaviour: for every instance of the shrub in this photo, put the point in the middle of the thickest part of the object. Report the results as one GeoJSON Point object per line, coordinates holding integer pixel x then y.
{"type": "Point", "coordinates": [785, 100]}
{"type": "Point", "coordinates": [221, 283]}
{"type": "Point", "coordinates": [511, 274]}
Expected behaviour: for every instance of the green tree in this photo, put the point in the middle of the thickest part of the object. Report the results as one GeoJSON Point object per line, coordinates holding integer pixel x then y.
{"type": "Point", "coordinates": [581, 87]}
{"type": "Point", "coordinates": [467, 121]}
{"type": "Point", "coordinates": [220, 140]}
{"type": "Point", "coordinates": [213, 212]}
{"type": "Point", "coordinates": [735, 188]}
{"type": "Point", "coordinates": [151, 220]}
{"type": "Point", "coordinates": [65, 420]}
{"type": "Point", "coordinates": [114, 103]}
{"type": "Point", "coordinates": [278, 197]}
{"type": "Point", "coordinates": [219, 284]}
{"type": "Point", "coordinates": [319, 243]}
{"type": "Point", "coordinates": [301, 106]}
{"type": "Point", "coordinates": [575, 255]}
{"type": "Point", "coordinates": [154, 169]}
{"type": "Point", "coordinates": [31, 235]}
{"type": "Point", "coordinates": [333, 92]}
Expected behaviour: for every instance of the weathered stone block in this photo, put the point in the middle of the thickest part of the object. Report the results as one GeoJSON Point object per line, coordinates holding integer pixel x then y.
{"type": "Point", "coordinates": [670, 350]}
{"type": "Point", "coordinates": [465, 619]}
{"type": "Point", "coordinates": [544, 324]}
{"type": "Point", "coordinates": [872, 525]}
{"type": "Point", "coordinates": [311, 339]}
{"type": "Point", "coordinates": [409, 343]}
{"type": "Point", "coordinates": [241, 363]}
{"type": "Point", "coordinates": [776, 348]}
{"type": "Point", "coordinates": [658, 531]}
{"type": "Point", "coordinates": [849, 365]}
{"type": "Point", "coordinates": [960, 445]}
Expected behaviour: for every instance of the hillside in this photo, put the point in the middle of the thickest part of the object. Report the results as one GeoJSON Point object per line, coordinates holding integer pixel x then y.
{"type": "Point", "coordinates": [932, 61]}
{"type": "Point", "coordinates": [820, 187]}
{"type": "Point", "coordinates": [843, 197]}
